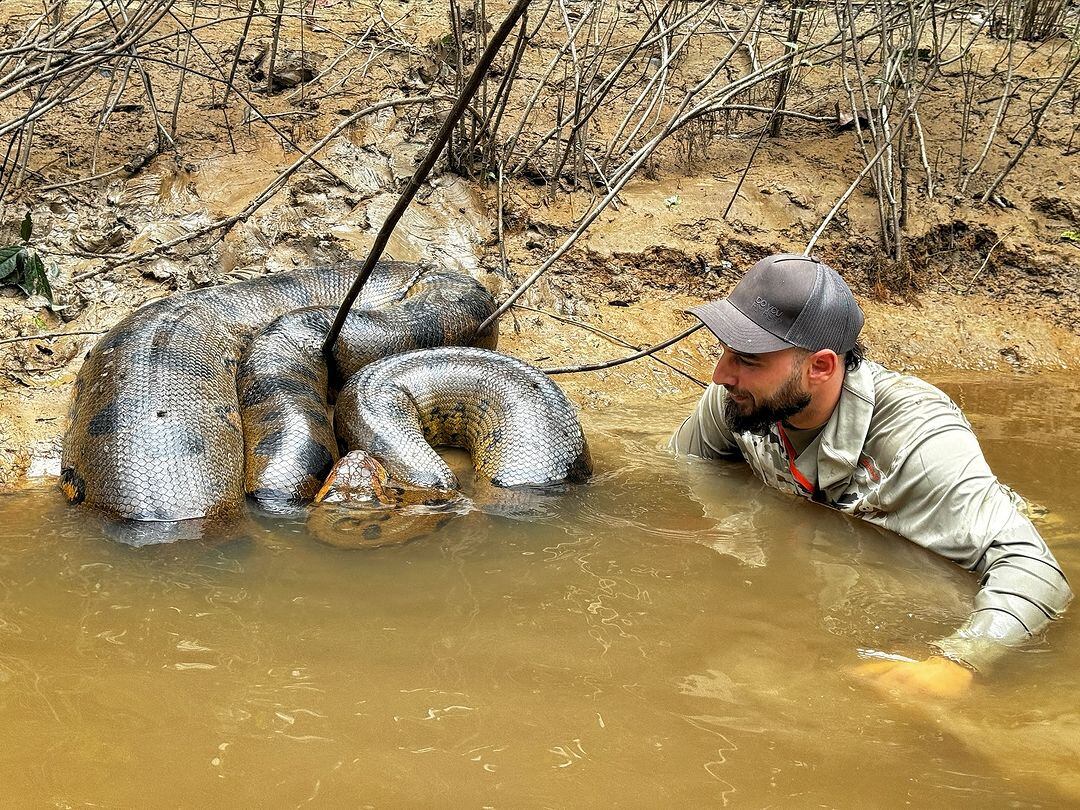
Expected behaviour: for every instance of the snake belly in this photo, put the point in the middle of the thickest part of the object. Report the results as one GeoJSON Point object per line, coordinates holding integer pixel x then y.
{"type": "Point", "coordinates": [154, 430]}
{"type": "Point", "coordinates": [517, 424]}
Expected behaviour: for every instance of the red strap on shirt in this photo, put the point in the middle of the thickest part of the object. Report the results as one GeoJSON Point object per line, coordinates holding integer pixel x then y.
{"type": "Point", "coordinates": [798, 476]}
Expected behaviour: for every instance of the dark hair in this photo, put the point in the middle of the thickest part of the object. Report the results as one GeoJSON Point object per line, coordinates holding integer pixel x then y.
{"type": "Point", "coordinates": [854, 356]}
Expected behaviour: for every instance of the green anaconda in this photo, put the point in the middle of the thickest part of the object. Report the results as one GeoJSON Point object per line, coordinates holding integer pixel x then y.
{"type": "Point", "coordinates": [155, 430]}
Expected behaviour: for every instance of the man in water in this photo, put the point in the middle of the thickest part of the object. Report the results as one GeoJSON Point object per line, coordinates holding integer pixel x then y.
{"type": "Point", "coordinates": [794, 398]}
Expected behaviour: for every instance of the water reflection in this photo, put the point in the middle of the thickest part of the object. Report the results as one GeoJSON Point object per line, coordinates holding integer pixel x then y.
{"type": "Point", "coordinates": [670, 632]}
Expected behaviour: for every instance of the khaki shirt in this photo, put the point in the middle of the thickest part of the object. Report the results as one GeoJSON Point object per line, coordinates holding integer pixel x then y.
{"type": "Point", "coordinates": [898, 453]}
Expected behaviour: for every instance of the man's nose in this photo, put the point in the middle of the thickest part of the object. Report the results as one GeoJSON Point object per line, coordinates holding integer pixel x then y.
{"type": "Point", "coordinates": [723, 373]}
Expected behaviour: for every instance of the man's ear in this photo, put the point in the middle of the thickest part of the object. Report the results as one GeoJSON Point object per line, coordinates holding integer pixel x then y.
{"type": "Point", "coordinates": [822, 366]}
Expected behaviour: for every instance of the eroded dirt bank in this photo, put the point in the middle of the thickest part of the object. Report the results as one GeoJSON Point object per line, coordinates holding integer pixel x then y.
{"type": "Point", "coordinates": [601, 287]}
{"type": "Point", "coordinates": [630, 278]}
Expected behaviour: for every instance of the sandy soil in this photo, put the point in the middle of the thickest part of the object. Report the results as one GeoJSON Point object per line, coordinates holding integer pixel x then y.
{"type": "Point", "coordinates": [993, 287]}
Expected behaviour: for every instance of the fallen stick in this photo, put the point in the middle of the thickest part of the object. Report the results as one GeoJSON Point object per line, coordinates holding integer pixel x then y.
{"type": "Point", "coordinates": [49, 336]}
{"type": "Point", "coordinates": [613, 338]}
{"type": "Point", "coordinates": [424, 168]}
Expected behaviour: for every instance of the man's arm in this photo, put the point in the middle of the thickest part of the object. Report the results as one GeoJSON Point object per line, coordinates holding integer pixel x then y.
{"type": "Point", "coordinates": [703, 433]}
{"type": "Point", "coordinates": [946, 499]}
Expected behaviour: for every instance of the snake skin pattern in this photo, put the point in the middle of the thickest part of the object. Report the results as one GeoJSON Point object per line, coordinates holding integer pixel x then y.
{"type": "Point", "coordinates": [154, 431]}
{"type": "Point", "coordinates": [517, 424]}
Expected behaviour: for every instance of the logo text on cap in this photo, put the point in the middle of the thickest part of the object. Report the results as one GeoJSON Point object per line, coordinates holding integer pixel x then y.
{"type": "Point", "coordinates": [769, 308]}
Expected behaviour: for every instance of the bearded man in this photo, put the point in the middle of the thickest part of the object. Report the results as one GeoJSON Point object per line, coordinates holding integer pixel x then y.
{"type": "Point", "coordinates": [793, 397]}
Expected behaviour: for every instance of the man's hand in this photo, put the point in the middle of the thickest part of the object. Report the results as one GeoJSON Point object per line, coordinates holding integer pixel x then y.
{"type": "Point", "coordinates": [934, 677]}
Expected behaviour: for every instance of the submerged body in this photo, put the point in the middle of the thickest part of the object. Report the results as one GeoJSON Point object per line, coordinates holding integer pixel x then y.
{"type": "Point", "coordinates": [794, 397]}
{"type": "Point", "coordinates": [898, 453]}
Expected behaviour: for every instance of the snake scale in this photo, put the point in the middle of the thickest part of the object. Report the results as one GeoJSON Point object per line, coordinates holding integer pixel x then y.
{"type": "Point", "coordinates": [197, 400]}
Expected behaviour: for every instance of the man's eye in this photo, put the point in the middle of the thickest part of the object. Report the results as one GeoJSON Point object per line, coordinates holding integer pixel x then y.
{"type": "Point", "coordinates": [739, 359]}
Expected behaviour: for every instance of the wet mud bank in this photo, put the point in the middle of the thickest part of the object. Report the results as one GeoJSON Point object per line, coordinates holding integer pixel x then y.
{"type": "Point", "coordinates": [624, 285]}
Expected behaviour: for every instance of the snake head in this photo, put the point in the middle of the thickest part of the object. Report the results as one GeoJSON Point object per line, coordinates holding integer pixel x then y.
{"type": "Point", "coordinates": [358, 477]}
{"type": "Point", "coordinates": [360, 506]}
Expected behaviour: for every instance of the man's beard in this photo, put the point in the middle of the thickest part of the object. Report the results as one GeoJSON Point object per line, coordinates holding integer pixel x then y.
{"type": "Point", "coordinates": [786, 402]}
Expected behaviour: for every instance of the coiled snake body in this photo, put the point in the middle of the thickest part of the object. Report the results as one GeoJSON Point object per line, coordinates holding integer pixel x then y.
{"type": "Point", "coordinates": [195, 400]}
{"type": "Point", "coordinates": [155, 430]}
{"type": "Point", "coordinates": [517, 425]}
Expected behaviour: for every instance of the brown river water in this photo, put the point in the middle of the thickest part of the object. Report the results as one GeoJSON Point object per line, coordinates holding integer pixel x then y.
{"type": "Point", "coordinates": [669, 634]}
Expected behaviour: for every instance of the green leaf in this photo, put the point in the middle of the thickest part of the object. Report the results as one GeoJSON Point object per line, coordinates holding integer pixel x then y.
{"type": "Point", "coordinates": [9, 260]}
{"type": "Point", "coordinates": [34, 279]}
{"type": "Point", "coordinates": [1071, 236]}
{"type": "Point", "coordinates": [41, 279]}
{"type": "Point", "coordinates": [26, 230]}
{"type": "Point", "coordinates": [22, 266]}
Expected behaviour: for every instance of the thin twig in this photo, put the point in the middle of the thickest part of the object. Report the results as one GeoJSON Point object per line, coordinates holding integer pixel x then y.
{"type": "Point", "coordinates": [1036, 123]}
{"type": "Point", "coordinates": [765, 130]}
{"type": "Point", "coordinates": [680, 118]}
{"type": "Point", "coordinates": [629, 358]}
{"type": "Point", "coordinates": [79, 181]}
{"type": "Point", "coordinates": [274, 41]}
{"type": "Point", "coordinates": [613, 338]}
{"type": "Point", "coordinates": [236, 54]}
{"type": "Point", "coordinates": [982, 267]}
{"type": "Point", "coordinates": [50, 336]}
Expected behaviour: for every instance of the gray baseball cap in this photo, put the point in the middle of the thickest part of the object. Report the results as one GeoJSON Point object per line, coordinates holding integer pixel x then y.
{"type": "Point", "coordinates": [783, 301]}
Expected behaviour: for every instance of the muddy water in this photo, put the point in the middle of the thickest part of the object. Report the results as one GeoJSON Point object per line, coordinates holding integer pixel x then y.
{"type": "Point", "coordinates": [669, 633]}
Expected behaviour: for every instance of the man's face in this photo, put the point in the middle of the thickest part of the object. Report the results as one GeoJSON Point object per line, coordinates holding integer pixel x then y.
{"type": "Point", "coordinates": [762, 388]}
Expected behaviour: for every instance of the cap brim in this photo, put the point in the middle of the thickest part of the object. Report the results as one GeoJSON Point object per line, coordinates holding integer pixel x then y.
{"type": "Point", "coordinates": [737, 331]}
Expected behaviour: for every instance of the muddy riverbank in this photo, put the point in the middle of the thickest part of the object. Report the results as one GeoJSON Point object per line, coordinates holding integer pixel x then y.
{"type": "Point", "coordinates": [627, 282]}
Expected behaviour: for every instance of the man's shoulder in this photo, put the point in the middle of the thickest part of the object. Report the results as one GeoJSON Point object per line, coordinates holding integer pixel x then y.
{"type": "Point", "coordinates": [893, 388]}
{"type": "Point", "coordinates": [907, 408]}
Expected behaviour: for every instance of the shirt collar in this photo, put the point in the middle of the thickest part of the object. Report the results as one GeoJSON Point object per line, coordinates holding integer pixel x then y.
{"type": "Point", "coordinates": [844, 435]}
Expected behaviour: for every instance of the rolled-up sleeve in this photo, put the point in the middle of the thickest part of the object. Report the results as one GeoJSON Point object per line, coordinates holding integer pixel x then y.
{"type": "Point", "coordinates": [946, 499]}
{"type": "Point", "coordinates": [703, 433]}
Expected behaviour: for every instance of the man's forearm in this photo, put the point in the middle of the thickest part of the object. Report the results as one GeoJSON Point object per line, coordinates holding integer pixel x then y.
{"type": "Point", "coordinates": [1022, 591]}
{"type": "Point", "coordinates": [951, 503]}
{"type": "Point", "coordinates": [985, 637]}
